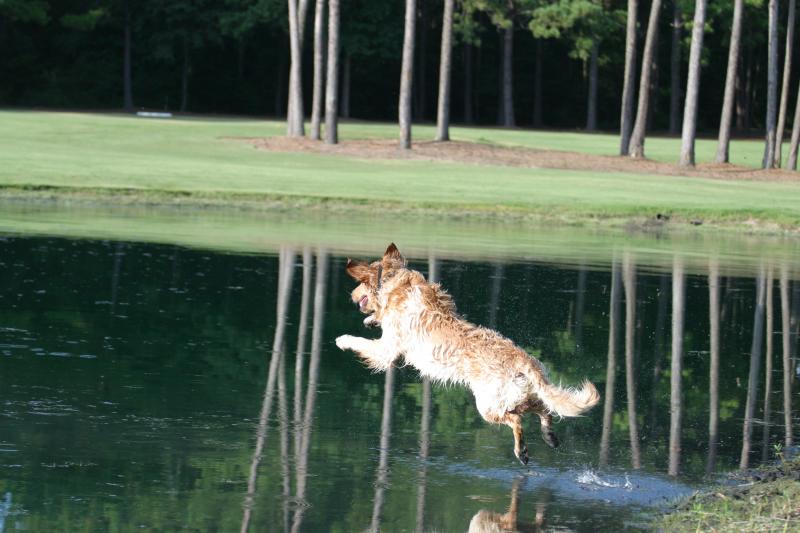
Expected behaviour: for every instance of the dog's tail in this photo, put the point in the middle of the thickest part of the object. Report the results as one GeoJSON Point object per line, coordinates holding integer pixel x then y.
{"type": "Point", "coordinates": [563, 401]}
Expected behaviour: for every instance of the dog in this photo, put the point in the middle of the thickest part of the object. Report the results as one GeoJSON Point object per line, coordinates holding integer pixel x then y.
{"type": "Point", "coordinates": [419, 323]}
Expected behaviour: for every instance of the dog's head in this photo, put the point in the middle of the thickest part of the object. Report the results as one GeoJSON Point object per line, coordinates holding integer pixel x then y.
{"type": "Point", "coordinates": [373, 277]}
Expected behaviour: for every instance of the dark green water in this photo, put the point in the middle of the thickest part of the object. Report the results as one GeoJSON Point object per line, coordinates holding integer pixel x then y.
{"type": "Point", "coordinates": [142, 387]}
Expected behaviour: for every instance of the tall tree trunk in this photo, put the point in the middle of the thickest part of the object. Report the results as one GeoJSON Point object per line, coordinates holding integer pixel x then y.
{"type": "Point", "coordinates": [591, 100]}
{"type": "Point", "coordinates": [611, 364]}
{"type": "Point", "coordinates": [468, 83]}
{"type": "Point", "coordinates": [127, 78]}
{"type": "Point", "coordinates": [772, 85]}
{"type": "Point", "coordinates": [787, 74]}
{"type": "Point", "coordinates": [346, 84]}
{"type": "Point", "coordinates": [675, 70]}
{"type": "Point", "coordinates": [730, 84]}
{"type": "Point", "coordinates": [332, 78]}
{"type": "Point", "coordinates": [652, 107]}
{"type": "Point", "coordinates": [713, 374]}
{"type": "Point", "coordinates": [445, 59]}
{"type": "Point", "coordinates": [629, 281]}
{"type": "Point", "coordinates": [636, 146]}
{"type": "Point", "coordinates": [185, 76]}
{"type": "Point", "coordinates": [508, 76]}
{"type": "Point", "coordinates": [626, 116]}
{"type": "Point", "coordinates": [538, 97]}
{"type": "Point", "coordinates": [407, 76]}
{"type": "Point", "coordinates": [787, 357]}
{"type": "Point", "coordinates": [294, 122]}
{"type": "Point", "coordinates": [676, 386]}
{"type": "Point", "coordinates": [420, 103]}
{"type": "Point", "coordinates": [755, 362]}
{"type": "Point", "coordinates": [693, 86]}
{"type": "Point", "coordinates": [792, 161]}
{"type": "Point", "coordinates": [302, 10]}
{"type": "Point", "coordinates": [319, 70]}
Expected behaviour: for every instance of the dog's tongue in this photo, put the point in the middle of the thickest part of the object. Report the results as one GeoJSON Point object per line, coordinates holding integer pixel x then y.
{"type": "Point", "coordinates": [362, 302]}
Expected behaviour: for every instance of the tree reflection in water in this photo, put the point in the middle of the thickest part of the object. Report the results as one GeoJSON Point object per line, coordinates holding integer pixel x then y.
{"type": "Point", "coordinates": [713, 374]}
{"type": "Point", "coordinates": [611, 365]}
{"type": "Point", "coordinates": [285, 273]}
{"type": "Point", "coordinates": [753, 374]}
{"type": "Point", "coordinates": [629, 280]}
{"type": "Point", "coordinates": [676, 371]}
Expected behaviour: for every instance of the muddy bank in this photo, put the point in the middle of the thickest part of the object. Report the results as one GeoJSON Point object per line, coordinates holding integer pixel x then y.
{"type": "Point", "coordinates": [766, 499]}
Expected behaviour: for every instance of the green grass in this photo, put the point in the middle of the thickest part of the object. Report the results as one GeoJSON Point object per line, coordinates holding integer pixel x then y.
{"type": "Point", "coordinates": [364, 235]}
{"type": "Point", "coordinates": [772, 505]}
{"type": "Point", "coordinates": [195, 156]}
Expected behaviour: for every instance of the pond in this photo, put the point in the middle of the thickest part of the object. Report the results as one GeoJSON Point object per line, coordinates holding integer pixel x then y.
{"type": "Point", "coordinates": [182, 386]}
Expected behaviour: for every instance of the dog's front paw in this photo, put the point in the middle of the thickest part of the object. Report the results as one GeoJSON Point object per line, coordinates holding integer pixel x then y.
{"type": "Point", "coordinates": [345, 342]}
{"type": "Point", "coordinates": [371, 322]}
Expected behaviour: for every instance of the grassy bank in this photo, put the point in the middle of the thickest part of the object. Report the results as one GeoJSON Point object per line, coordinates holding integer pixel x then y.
{"type": "Point", "coordinates": [195, 159]}
{"type": "Point", "coordinates": [362, 235]}
{"type": "Point", "coordinates": [768, 501]}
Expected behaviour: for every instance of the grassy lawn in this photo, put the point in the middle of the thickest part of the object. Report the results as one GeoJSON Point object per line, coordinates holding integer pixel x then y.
{"type": "Point", "coordinates": [769, 503]}
{"type": "Point", "coordinates": [196, 156]}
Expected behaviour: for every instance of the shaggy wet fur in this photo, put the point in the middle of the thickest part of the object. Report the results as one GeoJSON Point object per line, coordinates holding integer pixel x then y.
{"type": "Point", "coordinates": [420, 324]}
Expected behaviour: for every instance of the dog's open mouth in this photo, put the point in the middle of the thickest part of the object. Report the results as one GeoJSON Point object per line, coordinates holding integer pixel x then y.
{"type": "Point", "coordinates": [362, 303]}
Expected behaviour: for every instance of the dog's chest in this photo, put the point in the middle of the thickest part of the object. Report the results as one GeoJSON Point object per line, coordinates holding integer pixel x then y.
{"type": "Point", "coordinates": [432, 358]}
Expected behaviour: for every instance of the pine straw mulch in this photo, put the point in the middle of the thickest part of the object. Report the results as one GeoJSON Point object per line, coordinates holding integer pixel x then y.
{"type": "Point", "coordinates": [494, 155]}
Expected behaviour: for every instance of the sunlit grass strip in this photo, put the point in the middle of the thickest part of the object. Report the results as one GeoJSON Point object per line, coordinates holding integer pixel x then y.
{"type": "Point", "coordinates": [362, 233]}
{"type": "Point", "coordinates": [198, 158]}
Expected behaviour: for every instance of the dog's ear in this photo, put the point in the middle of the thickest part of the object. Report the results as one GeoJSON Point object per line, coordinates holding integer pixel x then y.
{"type": "Point", "coordinates": [393, 257]}
{"type": "Point", "coordinates": [358, 270]}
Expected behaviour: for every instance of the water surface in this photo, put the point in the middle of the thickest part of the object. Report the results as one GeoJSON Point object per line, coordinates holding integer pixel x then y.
{"type": "Point", "coordinates": [161, 387]}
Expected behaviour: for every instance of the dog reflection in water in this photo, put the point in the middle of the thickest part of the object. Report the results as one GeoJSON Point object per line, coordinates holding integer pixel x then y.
{"type": "Point", "coordinates": [486, 521]}
{"type": "Point", "coordinates": [419, 324]}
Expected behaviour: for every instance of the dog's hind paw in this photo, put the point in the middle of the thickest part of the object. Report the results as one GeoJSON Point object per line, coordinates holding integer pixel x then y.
{"type": "Point", "coordinates": [522, 455]}
{"type": "Point", "coordinates": [550, 439]}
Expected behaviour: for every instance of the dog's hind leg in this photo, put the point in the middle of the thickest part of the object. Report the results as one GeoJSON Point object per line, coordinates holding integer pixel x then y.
{"type": "Point", "coordinates": [547, 429]}
{"type": "Point", "coordinates": [514, 421]}
{"type": "Point", "coordinates": [486, 407]}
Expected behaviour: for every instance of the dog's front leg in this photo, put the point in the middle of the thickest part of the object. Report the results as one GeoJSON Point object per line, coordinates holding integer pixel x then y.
{"type": "Point", "coordinates": [378, 354]}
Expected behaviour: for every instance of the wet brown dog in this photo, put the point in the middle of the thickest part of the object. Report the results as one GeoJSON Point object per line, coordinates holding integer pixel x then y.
{"type": "Point", "coordinates": [420, 324]}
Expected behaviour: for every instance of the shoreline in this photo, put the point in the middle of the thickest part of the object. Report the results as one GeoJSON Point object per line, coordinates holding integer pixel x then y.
{"type": "Point", "coordinates": [765, 499]}
{"type": "Point", "coordinates": [635, 219]}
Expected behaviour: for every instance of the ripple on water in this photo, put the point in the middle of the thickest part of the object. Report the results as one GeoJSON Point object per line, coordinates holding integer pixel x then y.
{"type": "Point", "coordinates": [628, 488]}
